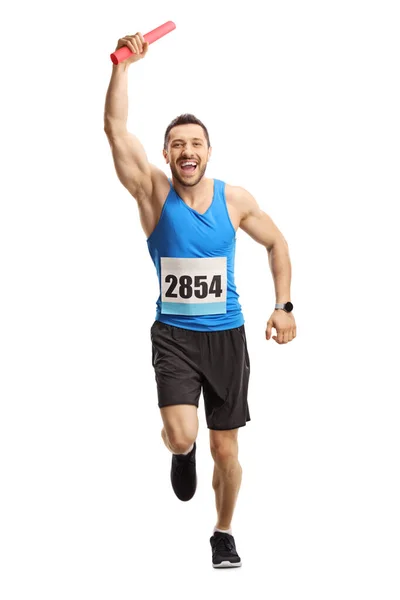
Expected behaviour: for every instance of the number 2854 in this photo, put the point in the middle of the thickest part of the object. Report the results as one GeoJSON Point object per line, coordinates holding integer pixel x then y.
{"type": "Point", "coordinates": [187, 287]}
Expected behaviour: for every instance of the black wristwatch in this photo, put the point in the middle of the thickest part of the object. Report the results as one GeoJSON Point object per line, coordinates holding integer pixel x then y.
{"type": "Point", "coordinates": [287, 306]}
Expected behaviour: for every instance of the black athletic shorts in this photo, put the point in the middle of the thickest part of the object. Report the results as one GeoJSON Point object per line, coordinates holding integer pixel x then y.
{"type": "Point", "coordinates": [187, 362]}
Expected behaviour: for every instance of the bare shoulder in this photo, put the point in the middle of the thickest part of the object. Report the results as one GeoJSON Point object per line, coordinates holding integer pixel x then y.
{"type": "Point", "coordinates": [144, 181]}
{"type": "Point", "coordinates": [150, 203]}
{"type": "Point", "coordinates": [160, 185]}
{"type": "Point", "coordinates": [252, 219]}
{"type": "Point", "coordinates": [241, 201]}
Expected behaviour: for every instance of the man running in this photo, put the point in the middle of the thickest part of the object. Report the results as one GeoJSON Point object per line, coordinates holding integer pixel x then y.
{"type": "Point", "coordinates": [198, 337]}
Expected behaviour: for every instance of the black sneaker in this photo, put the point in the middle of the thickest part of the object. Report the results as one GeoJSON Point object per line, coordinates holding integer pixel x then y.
{"type": "Point", "coordinates": [224, 551]}
{"type": "Point", "coordinates": [183, 474]}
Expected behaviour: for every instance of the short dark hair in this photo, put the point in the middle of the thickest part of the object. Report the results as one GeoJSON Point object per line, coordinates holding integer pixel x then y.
{"type": "Point", "coordinates": [185, 119]}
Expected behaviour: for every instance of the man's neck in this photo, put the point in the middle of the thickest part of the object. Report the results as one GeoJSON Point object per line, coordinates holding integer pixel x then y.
{"type": "Point", "coordinates": [196, 193]}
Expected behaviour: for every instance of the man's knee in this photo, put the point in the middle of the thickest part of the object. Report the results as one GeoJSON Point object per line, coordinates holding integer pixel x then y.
{"type": "Point", "coordinates": [180, 442]}
{"type": "Point", "coordinates": [225, 453]}
{"type": "Point", "coordinates": [180, 427]}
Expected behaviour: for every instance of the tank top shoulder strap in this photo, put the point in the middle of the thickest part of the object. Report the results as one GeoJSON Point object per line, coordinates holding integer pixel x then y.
{"type": "Point", "coordinates": [219, 187]}
{"type": "Point", "coordinates": [219, 194]}
{"type": "Point", "coordinates": [172, 197]}
{"type": "Point", "coordinates": [220, 205]}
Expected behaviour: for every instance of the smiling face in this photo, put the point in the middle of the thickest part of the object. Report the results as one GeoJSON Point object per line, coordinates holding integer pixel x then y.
{"type": "Point", "coordinates": [187, 153]}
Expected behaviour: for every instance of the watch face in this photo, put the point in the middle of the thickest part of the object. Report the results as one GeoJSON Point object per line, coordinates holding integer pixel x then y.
{"type": "Point", "coordinates": [288, 306]}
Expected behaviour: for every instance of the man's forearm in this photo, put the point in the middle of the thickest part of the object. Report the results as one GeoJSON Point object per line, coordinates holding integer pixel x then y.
{"type": "Point", "coordinates": [116, 106]}
{"type": "Point", "coordinates": [279, 262]}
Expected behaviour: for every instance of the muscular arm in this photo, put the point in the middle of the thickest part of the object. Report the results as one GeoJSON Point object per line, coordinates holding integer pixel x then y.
{"type": "Point", "coordinates": [258, 225]}
{"type": "Point", "coordinates": [130, 160]}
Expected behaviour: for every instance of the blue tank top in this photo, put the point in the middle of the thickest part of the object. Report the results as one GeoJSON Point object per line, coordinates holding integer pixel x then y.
{"type": "Point", "coordinates": [194, 255]}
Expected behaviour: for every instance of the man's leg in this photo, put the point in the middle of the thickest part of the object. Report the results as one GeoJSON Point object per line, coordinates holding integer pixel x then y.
{"type": "Point", "coordinates": [181, 425]}
{"type": "Point", "coordinates": [179, 435]}
{"type": "Point", "coordinates": [227, 475]}
{"type": "Point", "coordinates": [175, 355]}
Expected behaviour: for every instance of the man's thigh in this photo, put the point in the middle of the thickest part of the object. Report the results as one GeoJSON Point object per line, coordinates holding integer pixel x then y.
{"type": "Point", "coordinates": [180, 421]}
{"type": "Point", "coordinates": [174, 358]}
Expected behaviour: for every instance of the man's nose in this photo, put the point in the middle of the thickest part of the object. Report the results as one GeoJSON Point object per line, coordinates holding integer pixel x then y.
{"type": "Point", "coordinates": [188, 151]}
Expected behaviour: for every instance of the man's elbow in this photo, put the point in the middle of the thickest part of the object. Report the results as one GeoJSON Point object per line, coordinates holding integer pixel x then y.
{"type": "Point", "coordinates": [114, 128]}
{"type": "Point", "coordinates": [278, 242]}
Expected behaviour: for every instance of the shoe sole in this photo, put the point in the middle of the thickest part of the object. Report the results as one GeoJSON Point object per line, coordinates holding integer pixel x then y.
{"type": "Point", "coordinates": [226, 564]}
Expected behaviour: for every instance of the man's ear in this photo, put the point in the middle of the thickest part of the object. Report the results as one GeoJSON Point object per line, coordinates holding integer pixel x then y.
{"type": "Point", "coordinates": [165, 155]}
{"type": "Point", "coordinates": [209, 152]}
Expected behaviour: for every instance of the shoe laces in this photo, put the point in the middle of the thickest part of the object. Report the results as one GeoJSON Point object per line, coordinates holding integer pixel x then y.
{"type": "Point", "coordinates": [179, 468]}
{"type": "Point", "coordinates": [183, 462]}
{"type": "Point", "coordinates": [223, 544]}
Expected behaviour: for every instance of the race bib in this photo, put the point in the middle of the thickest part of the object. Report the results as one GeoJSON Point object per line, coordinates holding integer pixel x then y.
{"type": "Point", "coordinates": [193, 286]}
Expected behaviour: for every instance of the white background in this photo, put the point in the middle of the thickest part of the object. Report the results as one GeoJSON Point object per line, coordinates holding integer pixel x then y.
{"type": "Point", "coordinates": [302, 104]}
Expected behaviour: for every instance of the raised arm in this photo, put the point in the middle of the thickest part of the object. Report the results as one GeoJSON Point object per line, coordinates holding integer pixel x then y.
{"type": "Point", "coordinates": [130, 160]}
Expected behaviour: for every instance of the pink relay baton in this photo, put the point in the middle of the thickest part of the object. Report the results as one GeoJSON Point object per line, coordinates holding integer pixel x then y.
{"type": "Point", "coordinates": [154, 35]}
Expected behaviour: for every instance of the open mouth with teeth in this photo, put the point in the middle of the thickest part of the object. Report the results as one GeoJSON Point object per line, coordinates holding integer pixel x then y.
{"type": "Point", "coordinates": [188, 166]}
